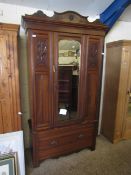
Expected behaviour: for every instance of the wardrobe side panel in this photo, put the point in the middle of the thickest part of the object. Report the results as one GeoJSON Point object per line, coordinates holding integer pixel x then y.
{"type": "Point", "coordinates": [111, 86]}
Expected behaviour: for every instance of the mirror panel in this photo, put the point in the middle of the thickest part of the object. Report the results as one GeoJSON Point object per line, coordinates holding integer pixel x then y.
{"type": "Point", "coordinates": [68, 79]}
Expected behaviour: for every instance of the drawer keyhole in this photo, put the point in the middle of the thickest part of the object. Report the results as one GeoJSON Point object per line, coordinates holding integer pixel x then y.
{"type": "Point", "coordinates": [53, 142]}
{"type": "Point", "coordinates": [81, 136]}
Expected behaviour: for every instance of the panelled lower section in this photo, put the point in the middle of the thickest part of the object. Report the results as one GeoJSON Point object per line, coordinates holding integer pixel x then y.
{"type": "Point", "coordinates": [55, 142]}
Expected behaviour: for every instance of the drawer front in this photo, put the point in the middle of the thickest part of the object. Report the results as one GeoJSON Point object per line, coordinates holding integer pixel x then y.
{"type": "Point", "coordinates": [53, 146]}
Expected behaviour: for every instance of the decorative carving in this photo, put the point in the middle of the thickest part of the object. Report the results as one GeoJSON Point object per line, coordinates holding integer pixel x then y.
{"type": "Point", "coordinates": [42, 52]}
{"type": "Point", "coordinates": [71, 17]}
{"type": "Point", "coordinates": [39, 13]}
{"type": "Point", "coordinates": [67, 16]}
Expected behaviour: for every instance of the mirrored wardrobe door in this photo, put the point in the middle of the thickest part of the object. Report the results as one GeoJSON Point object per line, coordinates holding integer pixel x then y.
{"type": "Point", "coordinates": [67, 79]}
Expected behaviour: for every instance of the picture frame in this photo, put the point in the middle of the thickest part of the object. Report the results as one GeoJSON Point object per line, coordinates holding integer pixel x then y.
{"type": "Point", "coordinates": [66, 54]}
{"type": "Point", "coordinates": [8, 164]}
{"type": "Point", "coordinates": [61, 54]}
{"type": "Point", "coordinates": [71, 53]}
{"type": "Point", "coordinates": [13, 142]}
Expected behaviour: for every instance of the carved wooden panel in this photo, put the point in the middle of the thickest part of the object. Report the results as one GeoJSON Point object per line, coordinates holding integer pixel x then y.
{"type": "Point", "coordinates": [93, 53]}
{"type": "Point", "coordinates": [42, 111]}
{"type": "Point", "coordinates": [41, 51]}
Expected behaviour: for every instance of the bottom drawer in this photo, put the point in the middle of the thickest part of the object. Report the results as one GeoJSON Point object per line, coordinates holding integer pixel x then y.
{"type": "Point", "coordinates": [55, 146]}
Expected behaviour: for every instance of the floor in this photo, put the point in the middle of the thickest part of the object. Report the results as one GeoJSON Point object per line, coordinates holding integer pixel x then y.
{"type": "Point", "coordinates": [107, 159]}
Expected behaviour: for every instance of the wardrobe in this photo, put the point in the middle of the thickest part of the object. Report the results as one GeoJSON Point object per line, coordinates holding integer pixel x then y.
{"type": "Point", "coordinates": [116, 115]}
{"type": "Point", "coordinates": [10, 113]}
{"type": "Point", "coordinates": [65, 64]}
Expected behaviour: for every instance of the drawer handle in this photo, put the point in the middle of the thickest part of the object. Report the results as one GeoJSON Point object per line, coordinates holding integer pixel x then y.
{"type": "Point", "coordinates": [81, 136]}
{"type": "Point", "coordinates": [53, 142]}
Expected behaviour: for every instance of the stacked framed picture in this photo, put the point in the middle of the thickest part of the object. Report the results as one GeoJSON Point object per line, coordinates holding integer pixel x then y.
{"type": "Point", "coordinates": [8, 164]}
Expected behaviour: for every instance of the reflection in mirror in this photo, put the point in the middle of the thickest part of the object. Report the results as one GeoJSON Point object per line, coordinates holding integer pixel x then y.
{"type": "Point", "coordinates": [68, 79]}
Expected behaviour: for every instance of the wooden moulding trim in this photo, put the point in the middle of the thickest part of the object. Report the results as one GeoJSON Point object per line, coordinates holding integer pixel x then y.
{"type": "Point", "coordinates": [9, 27]}
{"type": "Point", "coordinates": [119, 43]}
{"type": "Point", "coordinates": [67, 18]}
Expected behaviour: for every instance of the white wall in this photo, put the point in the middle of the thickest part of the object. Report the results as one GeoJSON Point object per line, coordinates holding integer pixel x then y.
{"type": "Point", "coordinates": [13, 13]}
{"type": "Point", "coordinates": [120, 31]}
